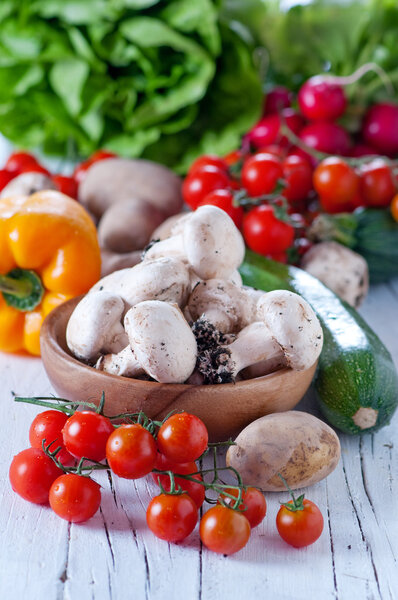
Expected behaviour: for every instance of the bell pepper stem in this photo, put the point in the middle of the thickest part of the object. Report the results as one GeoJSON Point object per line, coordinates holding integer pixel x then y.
{"type": "Point", "coordinates": [22, 289]}
{"type": "Point", "coordinates": [16, 287]}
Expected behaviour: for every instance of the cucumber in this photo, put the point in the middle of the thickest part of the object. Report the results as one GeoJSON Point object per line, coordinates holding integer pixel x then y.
{"type": "Point", "coordinates": [356, 382]}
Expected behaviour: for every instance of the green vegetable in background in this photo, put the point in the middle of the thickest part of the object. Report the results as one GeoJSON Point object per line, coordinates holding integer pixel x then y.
{"type": "Point", "coordinates": [162, 79]}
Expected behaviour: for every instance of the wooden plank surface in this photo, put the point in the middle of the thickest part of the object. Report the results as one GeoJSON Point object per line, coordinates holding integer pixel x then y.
{"type": "Point", "coordinates": [115, 556]}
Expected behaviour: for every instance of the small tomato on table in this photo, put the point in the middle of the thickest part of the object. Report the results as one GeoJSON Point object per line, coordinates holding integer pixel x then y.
{"type": "Point", "coordinates": [49, 253]}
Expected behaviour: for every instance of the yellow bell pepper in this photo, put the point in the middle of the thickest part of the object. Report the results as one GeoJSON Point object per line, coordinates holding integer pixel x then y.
{"type": "Point", "coordinates": [49, 253]}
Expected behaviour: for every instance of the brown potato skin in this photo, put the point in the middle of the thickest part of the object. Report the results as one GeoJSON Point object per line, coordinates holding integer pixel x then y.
{"type": "Point", "coordinates": [299, 446]}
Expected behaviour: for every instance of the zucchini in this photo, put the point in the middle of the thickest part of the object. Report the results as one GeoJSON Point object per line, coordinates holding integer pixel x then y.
{"type": "Point", "coordinates": [356, 382]}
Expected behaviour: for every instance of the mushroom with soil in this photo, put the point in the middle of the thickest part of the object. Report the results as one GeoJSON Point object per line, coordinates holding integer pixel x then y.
{"type": "Point", "coordinates": [161, 343]}
{"type": "Point", "coordinates": [289, 331]}
{"type": "Point", "coordinates": [209, 242]}
{"type": "Point", "coordinates": [344, 271]}
{"type": "Point", "coordinates": [95, 326]}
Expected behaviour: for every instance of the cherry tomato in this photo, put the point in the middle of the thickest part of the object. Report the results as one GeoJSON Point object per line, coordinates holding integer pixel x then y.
{"type": "Point", "coordinates": [182, 437]}
{"type": "Point", "coordinates": [224, 200]}
{"type": "Point", "coordinates": [330, 206]}
{"type": "Point", "coordinates": [260, 174]}
{"type": "Point", "coordinates": [66, 185]}
{"type": "Point", "coordinates": [172, 517]}
{"type": "Point", "coordinates": [101, 155]}
{"type": "Point", "coordinates": [75, 498]}
{"type": "Point", "coordinates": [35, 168]}
{"type": "Point", "coordinates": [253, 504]}
{"type": "Point", "coordinates": [300, 527]}
{"type": "Point", "coordinates": [224, 530]}
{"type": "Point", "coordinates": [31, 475]}
{"type": "Point", "coordinates": [131, 451]}
{"type": "Point", "coordinates": [320, 100]}
{"type": "Point", "coordinates": [5, 177]}
{"type": "Point", "coordinates": [195, 490]}
{"type": "Point", "coordinates": [80, 171]}
{"type": "Point", "coordinates": [17, 161]}
{"type": "Point", "coordinates": [264, 233]}
{"type": "Point", "coordinates": [394, 208]}
{"type": "Point", "coordinates": [297, 172]}
{"type": "Point", "coordinates": [208, 160]}
{"type": "Point", "coordinates": [197, 185]}
{"type": "Point", "coordinates": [164, 464]}
{"type": "Point", "coordinates": [377, 184]}
{"type": "Point", "coordinates": [85, 434]}
{"type": "Point", "coordinates": [273, 149]}
{"type": "Point", "coordinates": [233, 157]}
{"type": "Point", "coordinates": [336, 181]}
{"type": "Point", "coordinates": [48, 426]}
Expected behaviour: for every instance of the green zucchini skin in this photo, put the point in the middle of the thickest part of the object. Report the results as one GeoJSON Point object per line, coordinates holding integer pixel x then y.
{"type": "Point", "coordinates": [355, 368]}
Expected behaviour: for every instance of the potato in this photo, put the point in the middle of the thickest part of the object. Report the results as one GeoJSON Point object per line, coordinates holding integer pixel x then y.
{"type": "Point", "coordinates": [127, 225]}
{"type": "Point", "coordinates": [114, 179]}
{"type": "Point", "coordinates": [302, 448]}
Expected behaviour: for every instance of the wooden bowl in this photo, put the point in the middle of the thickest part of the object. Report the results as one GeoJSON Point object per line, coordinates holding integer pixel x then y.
{"type": "Point", "coordinates": [226, 408]}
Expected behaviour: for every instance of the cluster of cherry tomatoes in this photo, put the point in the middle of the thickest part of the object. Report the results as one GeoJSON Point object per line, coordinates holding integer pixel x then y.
{"type": "Point", "coordinates": [67, 448]}
{"type": "Point", "coordinates": [284, 160]}
{"type": "Point", "coordinates": [25, 162]}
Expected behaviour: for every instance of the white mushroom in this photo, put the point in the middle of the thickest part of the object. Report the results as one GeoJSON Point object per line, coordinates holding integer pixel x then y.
{"type": "Point", "coordinates": [26, 184]}
{"type": "Point", "coordinates": [209, 241]}
{"type": "Point", "coordinates": [123, 363]}
{"type": "Point", "coordinates": [290, 330]}
{"type": "Point", "coordinates": [170, 226]}
{"type": "Point", "coordinates": [344, 271]}
{"type": "Point", "coordinates": [161, 340]}
{"type": "Point", "coordinates": [227, 306]}
{"type": "Point", "coordinates": [164, 279]}
{"type": "Point", "coordinates": [95, 326]}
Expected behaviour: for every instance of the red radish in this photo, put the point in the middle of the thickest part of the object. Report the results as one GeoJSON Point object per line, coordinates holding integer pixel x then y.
{"type": "Point", "coordinates": [321, 100]}
{"type": "Point", "coordinates": [326, 137]}
{"type": "Point", "coordinates": [277, 99]}
{"type": "Point", "coordinates": [380, 127]}
{"type": "Point", "coordinates": [360, 150]}
{"type": "Point", "coordinates": [267, 131]}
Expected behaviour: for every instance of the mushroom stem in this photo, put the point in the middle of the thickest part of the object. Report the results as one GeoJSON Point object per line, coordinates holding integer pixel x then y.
{"type": "Point", "coordinates": [124, 363]}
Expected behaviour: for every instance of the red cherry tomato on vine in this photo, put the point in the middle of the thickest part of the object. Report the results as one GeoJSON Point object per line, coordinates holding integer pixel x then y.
{"type": "Point", "coordinates": [182, 437]}
{"type": "Point", "coordinates": [172, 517]}
{"type": "Point", "coordinates": [80, 171]}
{"type": "Point", "coordinates": [164, 464]}
{"type": "Point", "coordinates": [85, 434]}
{"type": "Point", "coordinates": [336, 181]}
{"type": "Point", "coordinates": [266, 234]}
{"type": "Point", "coordinates": [101, 155]}
{"type": "Point", "coordinates": [253, 504]}
{"type": "Point", "coordinates": [66, 185]}
{"type": "Point", "coordinates": [17, 161]}
{"type": "Point", "coordinates": [208, 160]}
{"type": "Point", "coordinates": [75, 498]}
{"type": "Point", "coordinates": [31, 475]}
{"type": "Point", "coordinates": [195, 490]}
{"type": "Point", "coordinates": [233, 157]}
{"type": "Point", "coordinates": [377, 184]}
{"type": "Point", "coordinates": [300, 528]}
{"type": "Point", "coordinates": [197, 185]}
{"type": "Point", "coordinates": [35, 168]}
{"type": "Point", "coordinates": [297, 173]}
{"type": "Point", "coordinates": [131, 451]}
{"type": "Point", "coordinates": [5, 177]}
{"type": "Point", "coordinates": [260, 174]}
{"type": "Point", "coordinates": [224, 530]}
{"type": "Point", "coordinates": [224, 200]}
{"type": "Point", "coordinates": [48, 426]}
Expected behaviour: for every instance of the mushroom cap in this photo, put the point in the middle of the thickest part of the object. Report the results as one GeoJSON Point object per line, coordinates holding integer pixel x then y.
{"type": "Point", "coordinates": [26, 184]}
{"type": "Point", "coordinates": [213, 245]}
{"type": "Point", "coordinates": [165, 278]}
{"type": "Point", "coordinates": [162, 340]}
{"type": "Point", "coordinates": [293, 324]}
{"type": "Point", "coordinates": [95, 326]}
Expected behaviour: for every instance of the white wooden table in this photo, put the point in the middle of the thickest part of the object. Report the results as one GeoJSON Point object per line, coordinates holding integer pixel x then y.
{"type": "Point", "coordinates": [115, 556]}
